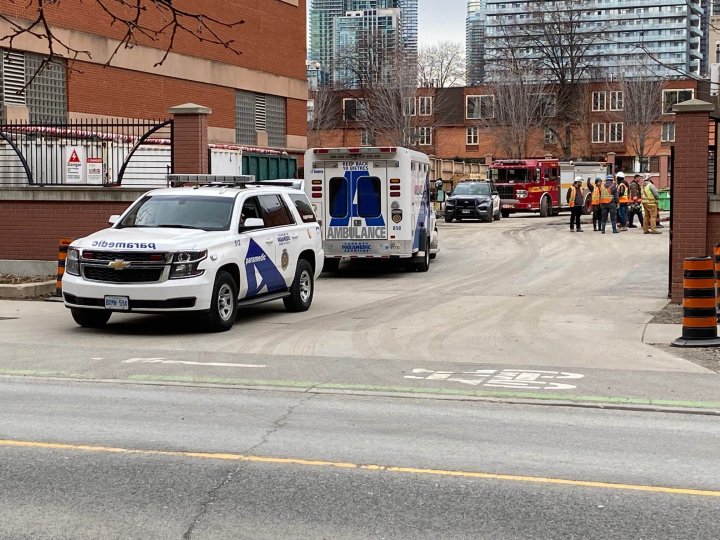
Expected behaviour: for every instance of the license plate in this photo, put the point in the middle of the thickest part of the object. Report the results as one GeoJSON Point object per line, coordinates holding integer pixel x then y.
{"type": "Point", "coordinates": [507, 205]}
{"type": "Point", "coordinates": [466, 211]}
{"type": "Point", "coordinates": [117, 302]}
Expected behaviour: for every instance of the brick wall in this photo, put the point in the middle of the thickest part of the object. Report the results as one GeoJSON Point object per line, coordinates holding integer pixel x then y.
{"type": "Point", "coordinates": [118, 92]}
{"type": "Point", "coordinates": [30, 230]}
{"type": "Point", "coordinates": [690, 217]}
{"type": "Point", "coordinates": [272, 38]}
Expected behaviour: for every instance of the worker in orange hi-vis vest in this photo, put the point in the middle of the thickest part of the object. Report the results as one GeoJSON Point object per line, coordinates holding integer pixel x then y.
{"type": "Point", "coordinates": [608, 203]}
{"type": "Point", "coordinates": [576, 201]}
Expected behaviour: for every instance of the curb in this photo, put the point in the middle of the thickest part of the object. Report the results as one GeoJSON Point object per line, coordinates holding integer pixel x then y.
{"type": "Point", "coordinates": [27, 290]}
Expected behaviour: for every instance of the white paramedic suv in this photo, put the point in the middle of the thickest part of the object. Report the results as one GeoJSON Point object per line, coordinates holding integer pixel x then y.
{"type": "Point", "coordinates": [208, 249]}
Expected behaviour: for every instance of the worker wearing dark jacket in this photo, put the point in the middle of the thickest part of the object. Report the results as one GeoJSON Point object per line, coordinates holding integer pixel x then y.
{"type": "Point", "coordinates": [595, 201]}
{"type": "Point", "coordinates": [576, 201]}
{"type": "Point", "coordinates": [635, 203]}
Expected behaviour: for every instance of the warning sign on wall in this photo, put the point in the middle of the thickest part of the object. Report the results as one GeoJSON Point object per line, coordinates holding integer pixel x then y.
{"type": "Point", "coordinates": [94, 170]}
{"type": "Point", "coordinates": [74, 164]}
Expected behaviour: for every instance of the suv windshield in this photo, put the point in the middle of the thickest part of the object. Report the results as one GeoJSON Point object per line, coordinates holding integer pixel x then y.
{"type": "Point", "coordinates": [181, 211]}
{"type": "Point", "coordinates": [478, 188]}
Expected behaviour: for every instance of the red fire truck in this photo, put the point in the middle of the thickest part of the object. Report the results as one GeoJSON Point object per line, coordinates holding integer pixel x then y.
{"type": "Point", "coordinates": [539, 185]}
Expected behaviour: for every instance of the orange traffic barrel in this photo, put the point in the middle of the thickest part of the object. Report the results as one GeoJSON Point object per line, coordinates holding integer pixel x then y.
{"type": "Point", "coordinates": [699, 326]}
{"type": "Point", "coordinates": [62, 256]}
{"type": "Point", "coordinates": [716, 258]}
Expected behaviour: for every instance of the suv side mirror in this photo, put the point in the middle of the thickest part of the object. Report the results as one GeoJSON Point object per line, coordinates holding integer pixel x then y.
{"type": "Point", "coordinates": [112, 220]}
{"type": "Point", "coordinates": [252, 223]}
{"type": "Point", "coordinates": [496, 192]}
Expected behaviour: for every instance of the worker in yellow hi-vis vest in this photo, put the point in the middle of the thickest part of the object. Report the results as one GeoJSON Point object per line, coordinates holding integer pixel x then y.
{"type": "Point", "coordinates": [576, 201]}
{"type": "Point", "coordinates": [650, 197]}
{"type": "Point", "coordinates": [595, 202]}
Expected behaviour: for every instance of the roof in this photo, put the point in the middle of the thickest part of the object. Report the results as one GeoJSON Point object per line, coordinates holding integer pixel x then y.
{"type": "Point", "coordinates": [222, 190]}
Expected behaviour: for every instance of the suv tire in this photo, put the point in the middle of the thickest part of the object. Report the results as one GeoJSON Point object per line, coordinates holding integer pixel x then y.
{"type": "Point", "coordinates": [223, 304]}
{"type": "Point", "coordinates": [302, 288]}
{"type": "Point", "coordinates": [90, 318]}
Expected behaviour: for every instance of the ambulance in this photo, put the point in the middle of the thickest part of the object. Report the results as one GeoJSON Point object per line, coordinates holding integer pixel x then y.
{"type": "Point", "coordinates": [372, 202]}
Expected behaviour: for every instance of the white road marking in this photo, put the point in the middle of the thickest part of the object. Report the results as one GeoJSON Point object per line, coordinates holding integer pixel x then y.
{"type": "Point", "coordinates": [527, 379]}
{"type": "Point", "coordinates": [188, 363]}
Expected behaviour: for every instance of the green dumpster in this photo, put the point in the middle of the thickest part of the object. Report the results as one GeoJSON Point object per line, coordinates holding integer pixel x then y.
{"type": "Point", "coordinates": [664, 201]}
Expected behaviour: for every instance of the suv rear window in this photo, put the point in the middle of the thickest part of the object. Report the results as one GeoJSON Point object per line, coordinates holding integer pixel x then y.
{"type": "Point", "coordinates": [304, 209]}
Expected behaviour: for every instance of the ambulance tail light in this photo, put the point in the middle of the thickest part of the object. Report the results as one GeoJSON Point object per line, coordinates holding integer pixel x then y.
{"type": "Point", "coordinates": [394, 187]}
{"type": "Point", "coordinates": [322, 151]}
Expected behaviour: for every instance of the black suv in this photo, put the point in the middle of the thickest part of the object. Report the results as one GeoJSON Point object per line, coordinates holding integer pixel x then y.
{"type": "Point", "coordinates": [473, 199]}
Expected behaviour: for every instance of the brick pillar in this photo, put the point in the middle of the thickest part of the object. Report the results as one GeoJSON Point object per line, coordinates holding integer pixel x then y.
{"type": "Point", "coordinates": [190, 139]}
{"type": "Point", "coordinates": [689, 197]}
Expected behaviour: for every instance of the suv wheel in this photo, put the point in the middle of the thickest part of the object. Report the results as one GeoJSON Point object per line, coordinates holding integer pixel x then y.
{"type": "Point", "coordinates": [302, 288]}
{"type": "Point", "coordinates": [223, 304]}
{"type": "Point", "coordinates": [90, 318]}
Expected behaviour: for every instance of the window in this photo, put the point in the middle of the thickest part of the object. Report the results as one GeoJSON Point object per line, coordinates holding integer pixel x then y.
{"type": "Point", "coordinates": [424, 136]}
{"type": "Point", "coordinates": [616, 132]}
{"type": "Point", "coordinates": [368, 196]}
{"type": "Point", "coordinates": [598, 101]}
{"type": "Point", "coordinates": [366, 137]}
{"type": "Point", "coordinates": [409, 109]}
{"type": "Point", "coordinates": [598, 133]}
{"type": "Point", "coordinates": [668, 132]}
{"type": "Point", "coordinates": [304, 209]}
{"type": "Point", "coordinates": [479, 107]}
{"type": "Point", "coordinates": [425, 105]}
{"type": "Point", "coordinates": [547, 105]}
{"type": "Point", "coordinates": [338, 197]}
{"type": "Point", "coordinates": [46, 95]}
{"type": "Point", "coordinates": [617, 100]}
{"type": "Point", "coordinates": [259, 112]}
{"type": "Point", "coordinates": [550, 137]}
{"type": "Point", "coordinates": [354, 109]}
{"type": "Point", "coordinates": [671, 97]}
{"type": "Point", "coordinates": [191, 212]}
{"type": "Point", "coordinates": [274, 211]}
{"type": "Point", "coordinates": [472, 135]}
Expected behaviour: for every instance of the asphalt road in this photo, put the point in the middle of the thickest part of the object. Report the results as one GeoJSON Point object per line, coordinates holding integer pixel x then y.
{"type": "Point", "coordinates": [401, 405]}
{"type": "Point", "coordinates": [83, 460]}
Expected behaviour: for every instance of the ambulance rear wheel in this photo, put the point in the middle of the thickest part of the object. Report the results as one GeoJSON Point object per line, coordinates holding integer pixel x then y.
{"type": "Point", "coordinates": [331, 265]}
{"type": "Point", "coordinates": [423, 265]}
{"type": "Point", "coordinates": [302, 288]}
{"type": "Point", "coordinates": [90, 318]}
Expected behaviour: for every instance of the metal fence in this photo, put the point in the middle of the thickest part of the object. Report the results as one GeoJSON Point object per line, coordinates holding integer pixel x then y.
{"type": "Point", "coordinates": [86, 152]}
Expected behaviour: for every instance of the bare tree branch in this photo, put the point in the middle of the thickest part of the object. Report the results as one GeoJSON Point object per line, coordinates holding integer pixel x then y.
{"type": "Point", "coordinates": [441, 65]}
{"type": "Point", "coordinates": [137, 18]}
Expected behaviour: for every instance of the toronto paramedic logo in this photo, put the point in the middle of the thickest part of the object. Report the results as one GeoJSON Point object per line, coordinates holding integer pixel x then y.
{"type": "Point", "coordinates": [356, 247]}
{"type": "Point", "coordinates": [262, 274]}
{"type": "Point", "coordinates": [524, 379]}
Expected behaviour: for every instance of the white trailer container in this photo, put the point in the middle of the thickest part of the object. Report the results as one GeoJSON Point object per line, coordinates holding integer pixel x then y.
{"type": "Point", "coordinates": [372, 202]}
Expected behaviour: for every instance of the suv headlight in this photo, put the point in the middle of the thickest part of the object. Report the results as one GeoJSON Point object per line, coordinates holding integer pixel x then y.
{"type": "Point", "coordinates": [185, 264]}
{"type": "Point", "coordinates": [72, 262]}
{"type": "Point", "coordinates": [521, 193]}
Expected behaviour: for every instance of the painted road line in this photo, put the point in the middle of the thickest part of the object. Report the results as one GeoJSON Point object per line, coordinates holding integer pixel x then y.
{"type": "Point", "coordinates": [368, 467]}
{"type": "Point", "coordinates": [529, 398]}
{"type": "Point", "coordinates": [527, 379]}
{"type": "Point", "coordinates": [189, 363]}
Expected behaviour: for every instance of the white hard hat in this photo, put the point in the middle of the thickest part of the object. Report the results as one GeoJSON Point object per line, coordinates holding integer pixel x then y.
{"type": "Point", "coordinates": [578, 178]}
{"type": "Point", "coordinates": [620, 174]}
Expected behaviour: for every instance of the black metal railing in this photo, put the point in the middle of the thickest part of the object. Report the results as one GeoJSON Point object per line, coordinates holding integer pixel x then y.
{"type": "Point", "coordinates": [86, 152]}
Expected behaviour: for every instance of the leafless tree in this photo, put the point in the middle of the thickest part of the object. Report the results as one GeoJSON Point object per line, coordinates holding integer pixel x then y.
{"type": "Point", "coordinates": [555, 42]}
{"type": "Point", "coordinates": [161, 22]}
{"type": "Point", "coordinates": [441, 65]}
{"type": "Point", "coordinates": [382, 81]}
{"type": "Point", "coordinates": [519, 108]}
{"type": "Point", "coordinates": [640, 111]}
{"type": "Point", "coordinates": [324, 108]}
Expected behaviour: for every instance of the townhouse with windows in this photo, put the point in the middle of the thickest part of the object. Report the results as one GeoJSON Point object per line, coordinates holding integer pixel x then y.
{"type": "Point", "coordinates": [465, 124]}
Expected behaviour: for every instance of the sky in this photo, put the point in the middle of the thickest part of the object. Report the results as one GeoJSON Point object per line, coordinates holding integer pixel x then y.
{"type": "Point", "coordinates": [441, 20]}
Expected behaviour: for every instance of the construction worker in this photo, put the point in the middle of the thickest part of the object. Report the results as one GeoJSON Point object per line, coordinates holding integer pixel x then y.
{"type": "Point", "coordinates": [635, 204]}
{"type": "Point", "coordinates": [650, 197]}
{"type": "Point", "coordinates": [608, 203]}
{"type": "Point", "coordinates": [576, 200]}
{"type": "Point", "coordinates": [623, 199]}
{"type": "Point", "coordinates": [595, 202]}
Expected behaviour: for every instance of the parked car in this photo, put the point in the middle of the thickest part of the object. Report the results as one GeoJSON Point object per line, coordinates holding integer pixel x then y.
{"type": "Point", "coordinates": [473, 199]}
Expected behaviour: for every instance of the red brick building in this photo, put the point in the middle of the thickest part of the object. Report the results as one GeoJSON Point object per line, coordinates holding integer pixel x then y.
{"type": "Point", "coordinates": [257, 97]}
{"type": "Point", "coordinates": [450, 125]}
